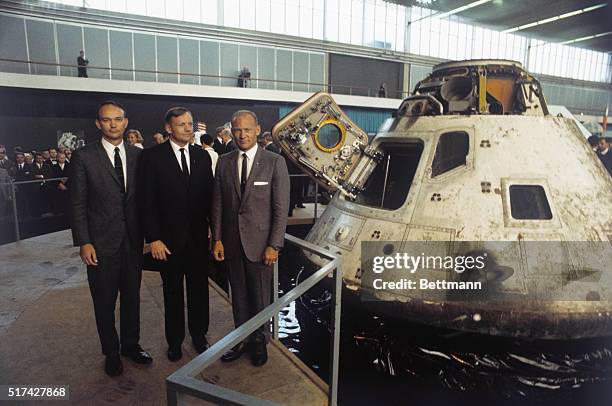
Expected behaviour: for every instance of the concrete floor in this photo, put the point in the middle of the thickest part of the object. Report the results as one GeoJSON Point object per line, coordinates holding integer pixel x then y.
{"type": "Point", "coordinates": [48, 336]}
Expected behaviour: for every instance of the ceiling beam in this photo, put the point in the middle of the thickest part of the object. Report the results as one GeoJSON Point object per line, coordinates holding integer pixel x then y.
{"type": "Point", "coordinates": [457, 10]}
{"type": "Point", "coordinates": [555, 18]}
{"type": "Point", "coordinates": [573, 41]}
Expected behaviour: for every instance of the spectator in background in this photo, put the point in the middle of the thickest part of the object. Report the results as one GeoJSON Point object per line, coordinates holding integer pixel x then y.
{"type": "Point", "coordinates": [82, 64]}
{"type": "Point", "coordinates": [382, 90]}
{"type": "Point", "coordinates": [52, 156]}
{"type": "Point", "coordinates": [244, 77]}
{"type": "Point", "coordinates": [45, 154]}
{"type": "Point", "coordinates": [268, 143]}
{"type": "Point", "coordinates": [207, 145]}
{"type": "Point", "coordinates": [29, 158]}
{"type": "Point", "coordinates": [5, 192]}
{"type": "Point", "coordinates": [39, 200]}
{"type": "Point", "coordinates": [135, 139]}
{"type": "Point", "coordinates": [21, 173]}
{"type": "Point", "coordinates": [604, 154]}
{"type": "Point", "coordinates": [5, 163]}
{"type": "Point", "coordinates": [159, 138]}
{"type": "Point", "coordinates": [218, 144]}
{"type": "Point", "coordinates": [228, 141]}
{"type": "Point", "coordinates": [62, 197]}
{"type": "Point", "coordinates": [68, 153]}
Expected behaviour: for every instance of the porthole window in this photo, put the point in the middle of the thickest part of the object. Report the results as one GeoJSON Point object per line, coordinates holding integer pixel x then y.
{"type": "Point", "coordinates": [330, 136]}
{"type": "Point", "coordinates": [529, 202]}
{"type": "Point", "coordinates": [451, 152]}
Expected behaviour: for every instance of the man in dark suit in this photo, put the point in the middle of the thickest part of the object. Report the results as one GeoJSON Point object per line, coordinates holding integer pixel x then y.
{"type": "Point", "coordinates": [5, 163]}
{"type": "Point", "coordinates": [61, 170]}
{"type": "Point", "coordinates": [218, 144]}
{"type": "Point", "coordinates": [22, 171]}
{"type": "Point", "coordinates": [177, 195]}
{"type": "Point", "coordinates": [82, 65]}
{"type": "Point", "coordinates": [107, 230]}
{"type": "Point", "coordinates": [249, 217]}
{"type": "Point", "coordinates": [40, 196]}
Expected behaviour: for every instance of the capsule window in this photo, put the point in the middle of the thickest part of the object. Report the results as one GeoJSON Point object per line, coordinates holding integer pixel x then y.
{"type": "Point", "coordinates": [451, 152]}
{"type": "Point", "coordinates": [389, 184]}
{"type": "Point", "coordinates": [529, 202]}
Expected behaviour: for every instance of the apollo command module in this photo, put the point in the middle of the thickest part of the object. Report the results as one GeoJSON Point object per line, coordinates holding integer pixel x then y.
{"type": "Point", "coordinates": [472, 164]}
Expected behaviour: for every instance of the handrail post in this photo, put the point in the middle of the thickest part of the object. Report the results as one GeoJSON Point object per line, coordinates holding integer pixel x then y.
{"type": "Point", "coordinates": [275, 292]}
{"type": "Point", "coordinates": [335, 343]}
{"type": "Point", "coordinates": [15, 216]}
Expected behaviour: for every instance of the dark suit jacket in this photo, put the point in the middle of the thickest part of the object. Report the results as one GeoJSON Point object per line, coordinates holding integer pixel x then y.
{"type": "Point", "coordinates": [101, 212]}
{"type": "Point", "coordinates": [176, 211]}
{"type": "Point", "coordinates": [21, 175]}
{"type": "Point", "coordinates": [44, 170]}
{"type": "Point", "coordinates": [258, 219]}
{"type": "Point", "coordinates": [230, 146]}
{"type": "Point", "coordinates": [57, 171]}
{"type": "Point", "coordinates": [218, 146]}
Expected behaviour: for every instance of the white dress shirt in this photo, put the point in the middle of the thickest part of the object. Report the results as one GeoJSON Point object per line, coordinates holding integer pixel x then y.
{"type": "Point", "coordinates": [250, 157]}
{"type": "Point", "coordinates": [213, 157]}
{"type": "Point", "coordinates": [177, 153]}
{"type": "Point", "coordinates": [110, 151]}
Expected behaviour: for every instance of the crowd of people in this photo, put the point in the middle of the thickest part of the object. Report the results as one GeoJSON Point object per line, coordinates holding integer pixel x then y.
{"type": "Point", "coordinates": [43, 181]}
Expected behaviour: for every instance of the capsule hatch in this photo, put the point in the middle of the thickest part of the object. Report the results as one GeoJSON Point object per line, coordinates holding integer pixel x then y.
{"type": "Point", "coordinates": [323, 141]}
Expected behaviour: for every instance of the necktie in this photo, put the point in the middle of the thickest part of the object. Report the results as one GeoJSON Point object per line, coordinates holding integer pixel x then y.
{"type": "Point", "coordinates": [243, 174]}
{"type": "Point", "coordinates": [119, 169]}
{"type": "Point", "coordinates": [184, 166]}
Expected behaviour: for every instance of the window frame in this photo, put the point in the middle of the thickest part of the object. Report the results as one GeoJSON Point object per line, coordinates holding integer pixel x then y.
{"type": "Point", "coordinates": [510, 221]}
{"type": "Point", "coordinates": [469, 158]}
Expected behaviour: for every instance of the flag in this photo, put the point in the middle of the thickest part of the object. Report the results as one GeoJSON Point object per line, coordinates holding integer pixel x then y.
{"type": "Point", "coordinates": [605, 122]}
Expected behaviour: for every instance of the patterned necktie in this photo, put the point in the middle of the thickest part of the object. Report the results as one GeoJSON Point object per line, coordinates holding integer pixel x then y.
{"type": "Point", "coordinates": [184, 166]}
{"type": "Point", "coordinates": [243, 174]}
{"type": "Point", "coordinates": [119, 169]}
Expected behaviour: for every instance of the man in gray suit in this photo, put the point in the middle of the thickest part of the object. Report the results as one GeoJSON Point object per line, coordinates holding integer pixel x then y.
{"type": "Point", "coordinates": [106, 228]}
{"type": "Point", "coordinates": [249, 217]}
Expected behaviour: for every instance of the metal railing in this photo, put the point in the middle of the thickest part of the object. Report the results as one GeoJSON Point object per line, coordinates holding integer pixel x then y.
{"type": "Point", "coordinates": [183, 382]}
{"type": "Point", "coordinates": [12, 197]}
{"type": "Point", "coordinates": [258, 81]}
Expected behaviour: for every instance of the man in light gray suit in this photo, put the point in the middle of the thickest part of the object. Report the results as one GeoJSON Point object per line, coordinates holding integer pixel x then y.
{"type": "Point", "coordinates": [249, 217]}
{"type": "Point", "coordinates": [105, 225]}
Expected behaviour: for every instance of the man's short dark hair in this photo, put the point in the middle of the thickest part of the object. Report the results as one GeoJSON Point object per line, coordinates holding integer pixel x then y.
{"type": "Point", "coordinates": [207, 139]}
{"type": "Point", "coordinates": [39, 154]}
{"type": "Point", "coordinates": [245, 113]}
{"type": "Point", "coordinates": [175, 112]}
{"type": "Point", "coordinates": [111, 103]}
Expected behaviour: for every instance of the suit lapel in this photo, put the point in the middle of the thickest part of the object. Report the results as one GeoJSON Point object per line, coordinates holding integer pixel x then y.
{"type": "Point", "coordinates": [192, 163]}
{"type": "Point", "coordinates": [106, 163]}
{"type": "Point", "coordinates": [255, 169]}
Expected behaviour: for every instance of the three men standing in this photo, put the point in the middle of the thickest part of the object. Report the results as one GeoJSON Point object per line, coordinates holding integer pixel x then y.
{"type": "Point", "coordinates": [106, 228]}
{"type": "Point", "coordinates": [178, 184]}
{"type": "Point", "coordinates": [249, 217]}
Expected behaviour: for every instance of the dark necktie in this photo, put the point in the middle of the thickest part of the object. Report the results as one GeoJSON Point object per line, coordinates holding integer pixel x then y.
{"type": "Point", "coordinates": [119, 169]}
{"type": "Point", "coordinates": [243, 174]}
{"type": "Point", "coordinates": [184, 166]}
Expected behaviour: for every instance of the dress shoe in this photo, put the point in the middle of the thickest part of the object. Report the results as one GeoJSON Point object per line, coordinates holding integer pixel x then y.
{"type": "Point", "coordinates": [175, 353]}
{"type": "Point", "coordinates": [137, 354]}
{"type": "Point", "coordinates": [300, 206]}
{"type": "Point", "coordinates": [259, 353]}
{"type": "Point", "coordinates": [113, 365]}
{"type": "Point", "coordinates": [201, 345]}
{"type": "Point", "coordinates": [234, 353]}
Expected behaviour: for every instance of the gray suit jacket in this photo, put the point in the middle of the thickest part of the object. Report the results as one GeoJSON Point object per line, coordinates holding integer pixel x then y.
{"type": "Point", "coordinates": [100, 214]}
{"type": "Point", "coordinates": [258, 219]}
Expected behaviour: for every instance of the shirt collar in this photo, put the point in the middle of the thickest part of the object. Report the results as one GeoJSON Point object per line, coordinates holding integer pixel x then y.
{"type": "Point", "coordinates": [605, 152]}
{"type": "Point", "coordinates": [110, 148]}
{"type": "Point", "coordinates": [250, 153]}
{"type": "Point", "coordinates": [176, 147]}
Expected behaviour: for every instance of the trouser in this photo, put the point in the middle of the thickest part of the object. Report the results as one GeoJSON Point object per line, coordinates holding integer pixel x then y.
{"type": "Point", "coordinates": [119, 273]}
{"type": "Point", "coordinates": [185, 264]}
{"type": "Point", "coordinates": [251, 284]}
